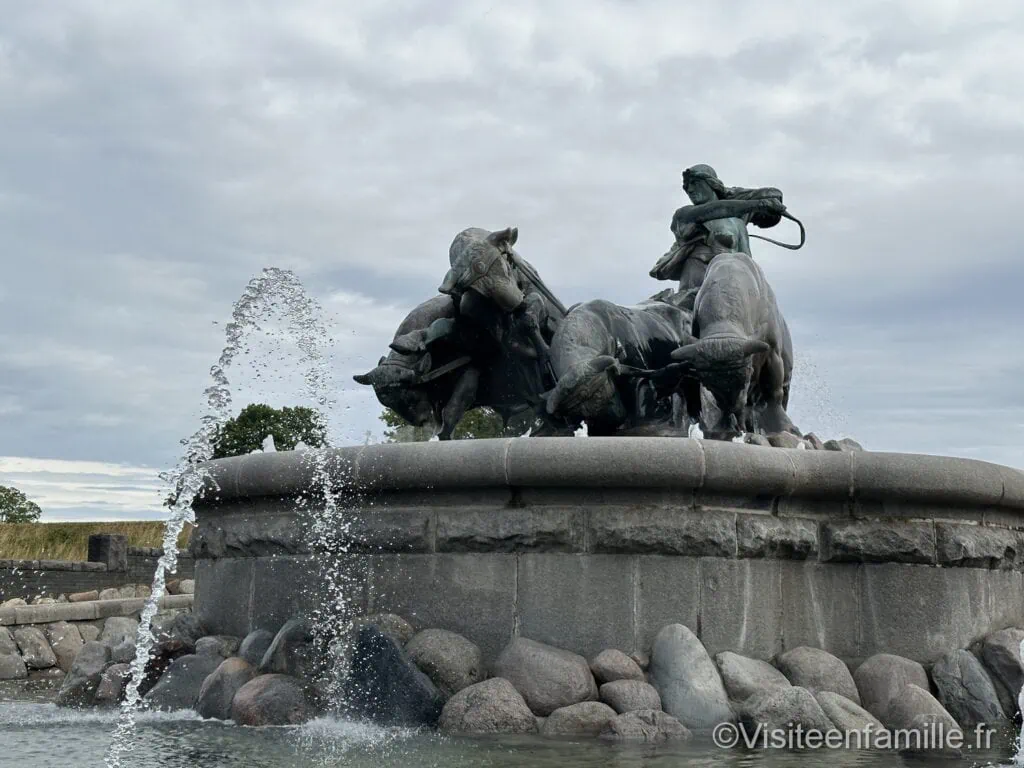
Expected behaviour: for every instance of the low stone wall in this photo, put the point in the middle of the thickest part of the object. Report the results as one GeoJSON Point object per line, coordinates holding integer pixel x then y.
{"type": "Point", "coordinates": [29, 579]}
{"type": "Point", "coordinates": [597, 543]}
{"type": "Point", "coordinates": [40, 642]}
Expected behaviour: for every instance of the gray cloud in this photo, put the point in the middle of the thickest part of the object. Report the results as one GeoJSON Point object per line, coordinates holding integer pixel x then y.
{"type": "Point", "coordinates": [155, 156]}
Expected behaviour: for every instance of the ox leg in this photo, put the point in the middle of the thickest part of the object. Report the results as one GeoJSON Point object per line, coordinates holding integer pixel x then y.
{"type": "Point", "coordinates": [463, 395]}
{"type": "Point", "coordinates": [773, 416]}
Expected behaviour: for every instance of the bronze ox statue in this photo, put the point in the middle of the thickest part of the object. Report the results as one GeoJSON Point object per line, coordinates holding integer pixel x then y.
{"type": "Point", "coordinates": [716, 352]}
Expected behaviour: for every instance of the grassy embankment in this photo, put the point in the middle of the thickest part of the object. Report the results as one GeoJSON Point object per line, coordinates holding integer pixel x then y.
{"type": "Point", "coordinates": [70, 541]}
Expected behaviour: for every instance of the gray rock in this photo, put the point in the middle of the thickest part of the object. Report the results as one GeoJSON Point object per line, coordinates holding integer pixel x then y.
{"type": "Point", "coordinates": [966, 691]}
{"type": "Point", "coordinates": [112, 685]}
{"type": "Point", "coordinates": [493, 706]}
{"type": "Point", "coordinates": [126, 592]}
{"type": "Point", "coordinates": [611, 665]}
{"type": "Point", "coordinates": [187, 587]}
{"type": "Point", "coordinates": [846, 444]}
{"type": "Point", "coordinates": [66, 641]}
{"type": "Point", "coordinates": [588, 718]}
{"type": "Point", "coordinates": [914, 709]}
{"type": "Point", "coordinates": [83, 597]}
{"type": "Point", "coordinates": [629, 696]}
{"type": "Point", "coordinates": [1000, 653]}
{"type": "Point", "coordinates": [785, 708]}
{"type": "Point", "coordinates": [687, 679]}
{"type": "Point", "coordinates": [882, 677]}
{"type": "Point", "coordinates": [818, 670]}
{"type": "Point", "coordinates": [848, 718]}
{"type": "Point", "coordinates": [110, 593]}
{"type": "Point", "coordinates": [271, 700]}
{"type": "Point", "coordinates": [814, 442]}
{"type": "Point", "coordinates": [14, 602]}
{"type": "Point", "coordinates": [188, 629]}
{"type": "Point", "coordinates": [12, 667]}
{"type": "Point", "coordinates": [224, 646]}
{"type": "Point", "coordinates": [219, 689]}
{"type": "Point", "coordinates": [645, 726]}
{"type": "Point", "coordinates": [123, 652]}
{"type": "Point", "coordinates": [390, 624]}
{"type": "Point", "coordinates": [547, 677]}
{"type": "Point", "coordinates": [179, 685]}
{"type": "Point", "coordinates": [35, 651]}
{"type": "Point", "coordinates": [255, 646]}
{"type": "Point", "coordinates": [82, 681]}
{"type": "Point", "coordinates": [90, 632]}
{"type": "Point", "coordinates": [118, 629]}
{"type": "Point", "coordinates": [7, 644]}
{"type": "Point", "coordinates": [449, 659]}
{"type": "Point", "coordinates": [784, 440]}
{"type": "Point", "coordinates": [384, 685]}
{"type": "Point", "coordinates": [745, 677]}
{"type": "Point", "coordinates": [291, 651]}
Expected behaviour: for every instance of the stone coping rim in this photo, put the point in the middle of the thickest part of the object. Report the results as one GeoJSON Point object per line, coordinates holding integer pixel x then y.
{"type": "Point", "coordinates": [87, 610]}
{"type": "Point", "coordinates": [623, 462]}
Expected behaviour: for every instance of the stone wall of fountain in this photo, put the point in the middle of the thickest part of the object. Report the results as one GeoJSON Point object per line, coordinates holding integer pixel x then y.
{"type": "Point", "coordinates": [595, 543]}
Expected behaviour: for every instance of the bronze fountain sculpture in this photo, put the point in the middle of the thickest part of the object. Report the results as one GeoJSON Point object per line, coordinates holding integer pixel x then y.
{"type": "Point", "coordinates": [715, 353]}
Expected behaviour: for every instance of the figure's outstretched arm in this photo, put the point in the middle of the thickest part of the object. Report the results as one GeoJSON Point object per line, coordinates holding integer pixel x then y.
{"type": "Point", "coordinates": [724, 209]}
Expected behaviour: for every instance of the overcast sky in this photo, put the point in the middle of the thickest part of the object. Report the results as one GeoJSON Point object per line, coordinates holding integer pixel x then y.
{"type": "Point", "coordinates": [154, 156]}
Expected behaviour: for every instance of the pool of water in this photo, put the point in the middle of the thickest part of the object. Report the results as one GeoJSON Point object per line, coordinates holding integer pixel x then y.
{"type": "Point", "coordinates": [36, 734]}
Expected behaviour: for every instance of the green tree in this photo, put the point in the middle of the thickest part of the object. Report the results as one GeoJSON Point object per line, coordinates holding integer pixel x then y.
{"type": "Point", "coordinates": [245, 433]}
{"type": "Point", "coordinates": [16, 508]}
{"type": "Point", "coordinates": [477, 423]}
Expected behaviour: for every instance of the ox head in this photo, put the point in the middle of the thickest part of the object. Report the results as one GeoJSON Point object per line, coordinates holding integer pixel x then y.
{"type": "Point", "coordinates": [397, 387]}
{"type": "Point", "coordinates": [481, 262]}
{"type": "Point", "coordinates": [587, 392]}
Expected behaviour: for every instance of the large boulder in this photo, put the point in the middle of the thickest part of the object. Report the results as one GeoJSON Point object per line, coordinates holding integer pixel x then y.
{"type": "Point", "coordinates": [493, 706]}
{"type": "Point", "coordinates": [966, 691]}
{"type": "Point", "coordinates": [119, 629]}
{"type": "Point", "coordinates": [7, 645]}
{"type": "Point", "coordinates": [916, 710]}
{"type": "Point", "coordinates": [818, 670]}
{"type": "Point", "coordinates": [449, 659]}
{"type": "Point", "coordinates": [165, 653]}
{"type": "Point", "coordinates": [12, 667]}
{"type": "Point", "coordinates": [35, 650]}
{"type": "Point", "coordinates": [548, 678]}
{"type": "Point", "coordinates": [783, 709]}
{"type": "Point", "coordinates": [611, 665]}
{"type": "Point", "coordinates": [123, 653]}
{"type": "Point", "coordinates": [218, 690]}
{"type": "Point", "coordinates": [271, 700]}
{"type": "Point", "coordinates": [112, 685]}
{"type": "Point", "coordinates": [89, 631]}
{"type": "Point", "coordinates": [66, 641]}
{"type": "Point", "coordinates": [188, 629]}
{"type": "Point", "coordinates": [851, 719]}
{"type": "Point", "coordinates": [744, 677]}
{"type": "Point", "coordinates": [80, 683]}
{"type": "Point", "coordinates": [588, 718]}
{"type": "Point", "coordinates": [291, 652]}
{"type": "Point", "coordinates": [629, 695]}
{"type": "Point", "coordinates": [254, 646]}
{"type": "Point", "coordinates": [687, 679]}
{"type": "Point", "coordinates": [649, 726]}
{"type": "Point", "coordinates": [392, 625]}
{"type": "Point", "coordinates": [882, 677]}
{"type": "Point", "coordinates": [384, 685]}
{"type": "Point", "coordinates": [180, 684]}
{"type": "Point", "coordinates": [222, 646]}
{"type": "Point", "coordinates": [1000, 653]}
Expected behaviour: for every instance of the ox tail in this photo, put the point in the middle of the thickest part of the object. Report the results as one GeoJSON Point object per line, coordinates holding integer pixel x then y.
{"type": "Point", "coordinates": [718, 355]}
